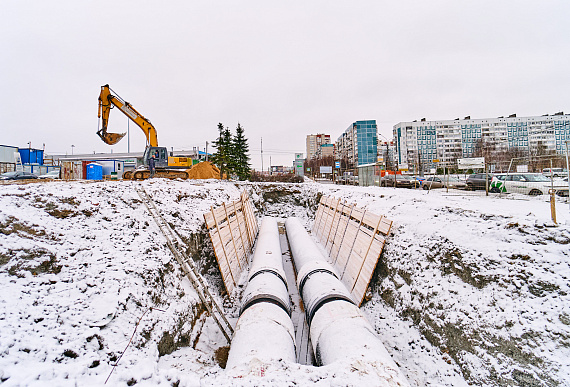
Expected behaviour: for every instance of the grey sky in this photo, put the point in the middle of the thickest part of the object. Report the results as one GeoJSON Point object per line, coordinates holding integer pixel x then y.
{"type": "Point", "coordinates": [282, 69]}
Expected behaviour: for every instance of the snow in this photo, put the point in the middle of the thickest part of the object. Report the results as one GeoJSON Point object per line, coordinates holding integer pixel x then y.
{"type": "Point", "coordinates": [470, 289]}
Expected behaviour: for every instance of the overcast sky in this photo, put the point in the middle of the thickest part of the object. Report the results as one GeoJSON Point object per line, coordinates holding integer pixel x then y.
{"type": "Point", "coordinates": [282, 69]}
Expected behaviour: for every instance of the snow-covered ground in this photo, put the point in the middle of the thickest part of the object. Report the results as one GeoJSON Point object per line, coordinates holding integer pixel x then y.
{"type": "Point", "coordinates": [470, 289]}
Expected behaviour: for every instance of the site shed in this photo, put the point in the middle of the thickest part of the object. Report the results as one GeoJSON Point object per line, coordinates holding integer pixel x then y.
{"type": "Point", "coordinates": [32, 156]}
{"type": "Point", "coordinates": [94, 171]}
{"type": "Point", "coordinates": [7, 158]}
{"type": "Point", "coordinates": [110, 166]}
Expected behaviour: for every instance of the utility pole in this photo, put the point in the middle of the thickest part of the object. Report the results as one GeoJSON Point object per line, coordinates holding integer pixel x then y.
{"type": "Point", "coordinates": [261, 154]}
{"type": "Point", "coordinates": [270, 171]}
{"type": "Point", "coordinates": [206, 151]}
{"type": "Point", "coordinates": [128, 136]}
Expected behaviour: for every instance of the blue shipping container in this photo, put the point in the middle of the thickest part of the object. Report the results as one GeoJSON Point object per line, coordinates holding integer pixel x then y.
{"type": "Point", "coordinates": [94, 171]}
{"type": "Point", "coordinates": [32, 156]}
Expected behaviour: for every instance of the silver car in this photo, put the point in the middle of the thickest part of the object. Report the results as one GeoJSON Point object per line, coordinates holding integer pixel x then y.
{"type": "Point", "coordinates": [443, 182]}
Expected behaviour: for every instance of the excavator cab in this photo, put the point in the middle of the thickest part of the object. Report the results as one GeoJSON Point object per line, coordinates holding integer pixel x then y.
{"type": "Point", "coordinates": [160, 154]}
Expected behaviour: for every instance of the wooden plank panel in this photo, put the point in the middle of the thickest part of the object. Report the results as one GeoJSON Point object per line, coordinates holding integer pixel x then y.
{"type": "Point", "coordinates": [334, 229]}
{"type": "Point", "coordinates": [385, 226]}
{"type": "Point", "coordinates": [332, 232]}
{"type": "Point", "coordinates": [232, 228]}
{"type": "Point", "coordinates": [354, 239]}
{"type": "Point", "coordinates": [324, 216]}
{"type": "Point", "coordinates": [352, 269]}
{"type": "Point", "coordinates": [371, 220]}
{"type": "Point", "coordinates": [366, 272]}
{"type": "Point", "coordinates": [339, 240]}
{"type": "Point", "coordinates": [318, 214]}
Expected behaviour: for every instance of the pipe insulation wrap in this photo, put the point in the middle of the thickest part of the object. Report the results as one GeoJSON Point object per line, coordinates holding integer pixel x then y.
{"type": "Point", "coordinates": [267, 255]}
{"type": "Point", "coordinates": [317, 280]}
{"type": "Point", "coordinates": [339, 332]}
{"type": "Point", "coordinates": [303, 249]}
{"type": "Point", "coordinates": [264, 330]}
{"type": "Point", "coordinates": [267, 281]}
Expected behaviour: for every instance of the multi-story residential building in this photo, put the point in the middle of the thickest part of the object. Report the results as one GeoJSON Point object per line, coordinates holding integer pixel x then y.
{"type": "Point", "coordinates": [421, 142]}
{"type": "Point", "coordinates": [314, 143]}
{"type": "Point", "coordinates": [325, 150]}
{"type": "Point", "coordinates": [387, 154]}
{"type": "Point", "coordinates": [358, 144]}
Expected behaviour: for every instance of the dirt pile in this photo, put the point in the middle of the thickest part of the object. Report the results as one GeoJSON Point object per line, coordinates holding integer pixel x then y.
{"type": "Point", "coordinates": [204, 170]}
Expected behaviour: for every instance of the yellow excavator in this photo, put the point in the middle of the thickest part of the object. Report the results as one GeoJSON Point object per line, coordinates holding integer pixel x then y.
{"type": "Point", "coordinates": [166, 166]}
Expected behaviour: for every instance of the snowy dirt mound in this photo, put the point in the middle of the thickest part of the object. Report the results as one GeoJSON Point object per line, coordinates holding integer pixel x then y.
{"type": "Point", "coordinates": [484, 280]}
{"type": "Point", "coordinates": [81, 263]}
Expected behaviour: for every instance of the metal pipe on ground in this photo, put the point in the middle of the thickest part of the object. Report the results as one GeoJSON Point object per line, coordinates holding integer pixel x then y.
{"type": "Point", "coordinates": [264, 331]}
{"type": "Point", "coordinates": [339, 331]}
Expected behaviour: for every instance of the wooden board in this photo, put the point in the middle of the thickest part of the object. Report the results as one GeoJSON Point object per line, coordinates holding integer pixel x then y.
{"type": "Point", "coordinates": [354, 238]}
{"type": "Point", "coordinates": [233, 229]}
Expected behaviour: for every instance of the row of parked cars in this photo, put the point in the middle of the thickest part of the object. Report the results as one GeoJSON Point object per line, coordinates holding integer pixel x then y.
{"type": "Point", "coordinates": [22, 175]}
{"type": "Point", "coordinates": [524, 183]}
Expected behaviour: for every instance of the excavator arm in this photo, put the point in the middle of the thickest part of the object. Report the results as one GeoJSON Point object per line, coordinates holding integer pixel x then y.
{"type": "Point", "coordinates": [107, 100]}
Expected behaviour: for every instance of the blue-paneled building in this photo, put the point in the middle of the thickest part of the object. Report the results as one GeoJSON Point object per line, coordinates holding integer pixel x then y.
{"type": "Point", "coordinates": [359, 143]}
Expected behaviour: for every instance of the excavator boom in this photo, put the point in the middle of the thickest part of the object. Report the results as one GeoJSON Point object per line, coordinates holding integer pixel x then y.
{"type": "Point", "coordinates": [107, 100]}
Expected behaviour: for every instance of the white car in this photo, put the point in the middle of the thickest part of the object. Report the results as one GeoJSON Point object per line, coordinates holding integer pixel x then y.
{"type": "Point", "coordinates": [526, 183]}
{"type": "Point", "coordinates": [54, 174]}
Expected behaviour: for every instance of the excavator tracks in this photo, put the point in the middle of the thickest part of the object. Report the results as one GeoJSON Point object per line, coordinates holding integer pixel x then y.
{"type": "Point", "coordinates": [165, 173]}
{"type": "Point", "coordinates": [178, 249]}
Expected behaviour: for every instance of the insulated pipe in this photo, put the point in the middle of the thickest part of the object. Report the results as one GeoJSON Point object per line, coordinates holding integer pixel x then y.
{"type": "Point", "coordinates": [264, 330]}
{"type": "Point", "coordinates": [338, 330]}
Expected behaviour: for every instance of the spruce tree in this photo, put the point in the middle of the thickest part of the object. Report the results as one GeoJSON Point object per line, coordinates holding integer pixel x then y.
{"type": "Point", "coordinates": [222, 154]}
{"type": "Point", "coordinates": [229, 152]}
{"type": "Point", "coordinates": [240, 154]}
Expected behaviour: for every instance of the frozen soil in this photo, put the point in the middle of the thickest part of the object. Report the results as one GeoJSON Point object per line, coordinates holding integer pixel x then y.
{"type": "Point", "coordinates": [469, 289]}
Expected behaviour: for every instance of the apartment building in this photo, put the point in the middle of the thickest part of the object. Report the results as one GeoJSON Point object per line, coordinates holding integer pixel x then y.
{"type": "Point", "coordinates": [314, 144]}
{"type": "Point", "coordinates": [421, 142]}
{"type": "Point", "coordinates": [387, 154]}
{"type": "Point", "coordinates": [358, 144]}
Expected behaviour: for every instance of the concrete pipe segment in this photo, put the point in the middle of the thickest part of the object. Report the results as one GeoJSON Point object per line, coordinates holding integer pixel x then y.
{"type": "Point", "coordinates": [264, 331]}
{"type": "Point", "coordinates": [339, 332]}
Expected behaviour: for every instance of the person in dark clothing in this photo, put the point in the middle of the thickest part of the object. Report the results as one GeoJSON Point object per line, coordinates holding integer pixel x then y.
{"type": "Point", "coordinates": [151, 165]}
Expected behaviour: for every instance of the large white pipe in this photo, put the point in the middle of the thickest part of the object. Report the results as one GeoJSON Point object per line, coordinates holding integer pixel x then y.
{"type": "Point", "coordinates": [264, 330]}
{"type": "Point", "coordinates": [339, 332]}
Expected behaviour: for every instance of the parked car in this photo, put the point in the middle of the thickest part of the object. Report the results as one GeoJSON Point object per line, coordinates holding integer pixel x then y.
{"type": "Point", "coordinates": [556, 172]}
{"type": "Point", "coordinates": [420, 180]}
{"type": "Point", "coordinates": [400, 181]}
{"type": "Point", "coordinates": [50, 175]}
{"type": "Point", "coordinates": [478, 181]}
{"type": "Point", "coordinates": [527, 183]}
{"type": "Point", "coordinates": [20, 175]}
{"type": "Point", "coordinates": [443, 182]}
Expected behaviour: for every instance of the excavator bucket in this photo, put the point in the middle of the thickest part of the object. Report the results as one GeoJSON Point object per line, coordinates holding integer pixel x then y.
{"type": "Point", "coordinates": [111, 138]}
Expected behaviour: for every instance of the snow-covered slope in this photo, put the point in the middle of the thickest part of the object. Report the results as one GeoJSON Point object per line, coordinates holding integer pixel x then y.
{"type": "Point", "coordinates": [469, 288]}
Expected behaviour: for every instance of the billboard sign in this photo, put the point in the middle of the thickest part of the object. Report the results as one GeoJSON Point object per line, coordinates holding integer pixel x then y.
{"type": "Point", "coordinates": [471, 163]}
{"type": "Point", "coordinates": [325, 169]}
{"type": "Point", "coordinates": [337, 164]}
